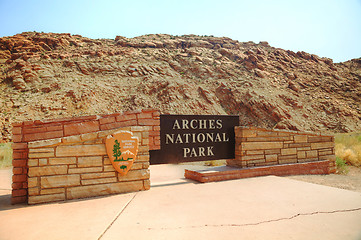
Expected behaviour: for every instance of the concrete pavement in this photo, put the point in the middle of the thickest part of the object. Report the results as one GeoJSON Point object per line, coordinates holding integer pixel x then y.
{"type": "Point", "coordinates": [175, 208]}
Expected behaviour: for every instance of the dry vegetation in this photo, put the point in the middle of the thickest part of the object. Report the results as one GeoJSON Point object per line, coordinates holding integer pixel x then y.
{"type": "Point", "coordinates": [348, 153]}
{"type": "Point", "coordinates": [348, 148]}
{"type": "Point", "coordinates": [5, 155]}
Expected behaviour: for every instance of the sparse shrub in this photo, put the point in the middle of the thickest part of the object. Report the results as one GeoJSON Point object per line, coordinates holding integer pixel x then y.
{"type": "Point", "coordinates": [341, 166]}
{"type": "Point", "coordinates": [348, 148]}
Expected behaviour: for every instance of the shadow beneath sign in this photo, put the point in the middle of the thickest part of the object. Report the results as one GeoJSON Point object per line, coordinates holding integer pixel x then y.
{"type": "Point", "coordinates": [184, 181]}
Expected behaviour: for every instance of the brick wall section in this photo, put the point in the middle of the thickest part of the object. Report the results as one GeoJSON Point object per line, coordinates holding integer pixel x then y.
{"type": "Point", "coordinates": [28, 131]}
{"type": "Point", "coordinates": [318, 167]}
{"type": "Point", "coordinates": [262, 147]}
{"type": "Point", "coordinates": [78, 167]}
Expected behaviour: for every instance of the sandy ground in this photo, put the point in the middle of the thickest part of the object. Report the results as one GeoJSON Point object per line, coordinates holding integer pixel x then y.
{"type": "Point", "coordinates": [349, 181]}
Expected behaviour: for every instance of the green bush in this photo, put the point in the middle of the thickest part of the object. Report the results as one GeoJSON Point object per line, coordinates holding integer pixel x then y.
{"type": "Point", "coordinates": [341, 166]}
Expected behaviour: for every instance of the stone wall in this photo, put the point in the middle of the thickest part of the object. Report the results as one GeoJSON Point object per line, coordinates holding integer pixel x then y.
{"type": "Point", "coordinates": [78, 167]}
{"type": "Point", "coordinates": [262, 147]}
{"type": "Point", "coordinates": [29, 131]}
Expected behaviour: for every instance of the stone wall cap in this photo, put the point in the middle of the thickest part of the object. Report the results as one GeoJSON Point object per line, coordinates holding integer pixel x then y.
{"type": "Point", "coordinates": [44, 143]}
{"type": "Point", "coordinates": [286, 131]}
{"type": "Point", "coordinates": [83, 137]}
{"type": "Point", "coordinates": [70, 119]}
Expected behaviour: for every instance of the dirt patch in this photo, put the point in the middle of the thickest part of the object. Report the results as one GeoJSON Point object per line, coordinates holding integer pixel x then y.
{"type": "Point", "coordinates": [350, 181]}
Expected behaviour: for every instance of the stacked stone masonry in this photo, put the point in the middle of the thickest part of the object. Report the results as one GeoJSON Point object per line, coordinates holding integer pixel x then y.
{"type": "Point", "coordinates": [78, 167]}
{"type": "Point", "coordinates": [30, 131]}
{"type": "Point", "coordinates": [262, 147]}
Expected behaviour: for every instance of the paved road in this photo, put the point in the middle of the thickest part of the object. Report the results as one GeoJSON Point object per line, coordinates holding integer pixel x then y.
{"type": "Point", "coordinates": [174, 208]}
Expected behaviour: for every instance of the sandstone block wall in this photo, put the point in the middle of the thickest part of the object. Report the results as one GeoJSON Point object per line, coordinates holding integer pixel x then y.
{"type": "Point", "coordinates": [30, 131]}
{"type": "Point", "coordinates": [262, 147]}
{"type": "Point", "coordinates": [78, 166]}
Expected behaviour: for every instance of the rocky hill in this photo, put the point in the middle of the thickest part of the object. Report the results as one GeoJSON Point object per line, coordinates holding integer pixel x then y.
{"type": "Point", "coordinates": [47, 75]}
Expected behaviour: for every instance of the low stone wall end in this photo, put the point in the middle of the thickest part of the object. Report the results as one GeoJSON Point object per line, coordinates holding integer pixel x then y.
{"type": "Point", "coordinates": [263, 147]}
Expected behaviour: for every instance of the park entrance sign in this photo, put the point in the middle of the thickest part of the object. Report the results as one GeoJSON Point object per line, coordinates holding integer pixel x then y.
{"type": "Point", "coordinates": [64, 159]}
{"type": "Point", "coordinates": [189, 138]}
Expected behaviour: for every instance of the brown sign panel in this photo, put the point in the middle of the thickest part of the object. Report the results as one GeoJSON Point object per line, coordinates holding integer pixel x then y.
{"type": "Point", "coordinates": [189, 138]}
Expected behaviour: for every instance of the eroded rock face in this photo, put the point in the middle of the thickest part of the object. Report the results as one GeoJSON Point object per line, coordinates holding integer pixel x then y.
{"type": "Point", "coordinates": [46, 75]}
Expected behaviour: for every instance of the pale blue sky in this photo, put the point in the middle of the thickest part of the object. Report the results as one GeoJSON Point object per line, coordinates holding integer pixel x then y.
{"type": "Point", "coordinates": [328, 28]}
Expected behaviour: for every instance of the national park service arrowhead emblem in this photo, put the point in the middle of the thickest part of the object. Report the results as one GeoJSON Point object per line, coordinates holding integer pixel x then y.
{"type": "Point", "coordinates": [122, 148]}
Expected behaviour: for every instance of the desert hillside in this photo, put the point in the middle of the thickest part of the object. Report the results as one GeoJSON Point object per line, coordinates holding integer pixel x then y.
{"type": "Point", "coordinates": [47, 75]}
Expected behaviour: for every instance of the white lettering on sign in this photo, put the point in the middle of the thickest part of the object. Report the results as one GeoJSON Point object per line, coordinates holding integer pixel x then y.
{"type": "Point", "coordinates": [195, 138]}
{"type": "Point", "coordinates": [128, 144]}
{"type": "Point", "coordinates": [201, 137]}
{"type": "Point", "coordinates": [198, 152]}
{"type": "Point", "coordinates": [197, 124]}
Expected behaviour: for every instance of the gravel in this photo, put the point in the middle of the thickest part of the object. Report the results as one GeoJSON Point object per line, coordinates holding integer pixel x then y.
{"type": "Point", "coordinates": [349, 181]}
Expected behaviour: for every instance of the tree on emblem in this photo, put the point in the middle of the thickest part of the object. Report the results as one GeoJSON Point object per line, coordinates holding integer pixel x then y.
{"type": "Point", "coordinates": [116, 151]}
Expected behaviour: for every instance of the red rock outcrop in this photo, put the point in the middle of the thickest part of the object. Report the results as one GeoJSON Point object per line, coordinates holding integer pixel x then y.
{"type": "Point", "coordinates": [47, 75]}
